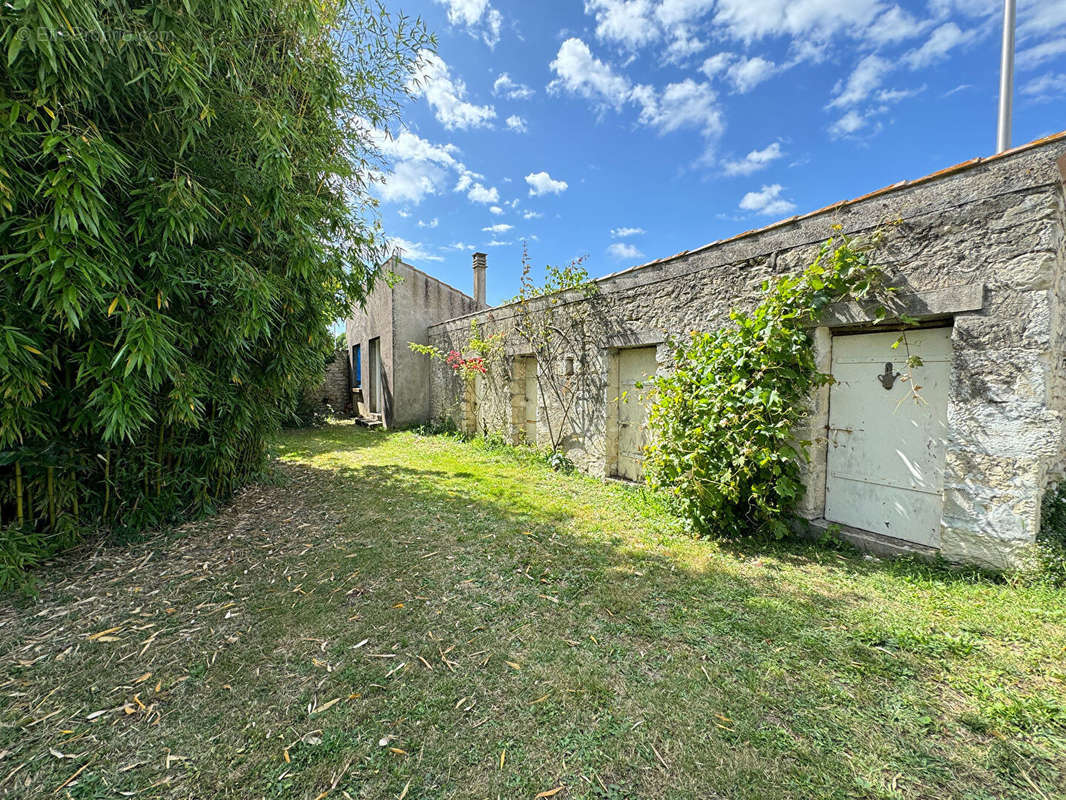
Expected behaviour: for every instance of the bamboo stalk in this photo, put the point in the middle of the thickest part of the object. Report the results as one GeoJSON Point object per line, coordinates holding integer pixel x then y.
{"type": "Point", "coordinates": [18, 493]}
{"type": "Point", "coordinates": [51, 471]}
{"type": "Point", "coordinates": [74, 494]}
{"type": "Point", "coordinates": [159, 465]}
{"type": "Point", "coordinates": [107, 481]}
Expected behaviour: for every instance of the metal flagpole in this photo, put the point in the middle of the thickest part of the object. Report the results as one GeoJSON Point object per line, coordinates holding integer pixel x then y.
{"type": "Point", "coordinates": [1006, 78]}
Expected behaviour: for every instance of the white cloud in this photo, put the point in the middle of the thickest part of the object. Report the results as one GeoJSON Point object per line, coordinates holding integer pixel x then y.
{"type": "Point", "coordinates": [749, 20]}
{"type": "Point", "coordinates": [683, 45]}
{"type": "Point", "coordinates": [681, 105]}
{"type": "Point", "coordinates": [447, 95]}
{"type": "Point", "coordinates": [501, 227]}
{"type": "Point", "coordinates": [1046, 86]}
{"type": "Point", "coordinates": [543, 183]}
{"type": "Point", "coordinates": [848, 124]}
{"type": "Point", "coordinates": [1033, 57]}
{"type": "Point", "coordinates": [495, 210]}
{"type": "Point", "coordinates": [1042, 27]}
{"type": "Point", "coordinates": [408, 146]}
{"type": "Point", "coordinates": [681, 12]}
{"type": "Point", "coordinates": [403, 212]}
{"type": "Point", "coordinates": [461, 246]}
{"type": "Point", "coordinates": [767, 201]}
{"type": "Point", "coordinates": [421, 168]}
{"type": "Point", "coordinates": [624, 250]}
{"type": "Point", "coordinates": [415, 251]}
{"type": "Point", "coordinates": [686, 104]}
{"type": "Point", "coordinates": [531, 215]}
{"type": "Point", "coordinates": [747, 73]}
{"type": "Point", "coordinates": [1041, 31]}
{"type": "Point", "coordinates": [482, 194]}
{"type": "Point", "coordinates": [510, 89]}
{"type": "Point", "coordinates": [716, 64]}
{"type": "Point", "coordinates": [863, 96]}
{"type": "Point", "coordinates": [895, 25]}
{"type": "Point", "coordinates": [583, 74]}
{"type": "Point", "coordinates": [895, 95]}
{"type": "Point", "coordinates": [941, 41]}
{"type": "Point", "coordinates": [517, 124]}
{"type": "Point", "coordinates": [868, 75]}
{"type": "Point", "coordinates": [411, 181]}
{"type": "Point", "coordinates": [465, 12]}
{"type": "Point", "coordinates": [433, 223]}
{"type": "Point", "coordinates": [477, 16]}
{"type": "Point", "coordinates": [744, 73]}
{"type": "Point", "coordinates": [625, 22]}
{"type": "Point", "coordinates": [754, 161]}
{"type": "Point", "coordinates": [497, 243]}
{"type": "Point", "coordinates": [621, 233]}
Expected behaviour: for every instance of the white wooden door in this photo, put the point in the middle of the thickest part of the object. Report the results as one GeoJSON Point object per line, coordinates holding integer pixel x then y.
{"type": "Point", "coordinates": [635, 365]}
{"type": "Point", "coordinates": [530, 427]}
{"type": "Point", "coordinates": [885, 467]}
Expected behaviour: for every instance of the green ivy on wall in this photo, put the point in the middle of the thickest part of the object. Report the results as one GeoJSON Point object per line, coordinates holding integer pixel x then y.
{"type": "Point", "coordinates": [724, 448]}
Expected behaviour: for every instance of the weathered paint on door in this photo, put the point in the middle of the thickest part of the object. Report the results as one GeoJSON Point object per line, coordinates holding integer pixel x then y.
{"type": "Point", "coordinates": [530, 427]}
{"type": "Point", "coordinates": [635, 365]}
{"type": "Point", "coordinates": [885, 467]}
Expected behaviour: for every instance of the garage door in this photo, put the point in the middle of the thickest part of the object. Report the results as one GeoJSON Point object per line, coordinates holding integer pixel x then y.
{"type": "Point", "coordinates": [885, 464]}
{"type": "Point", "coordinates": [634, 366]}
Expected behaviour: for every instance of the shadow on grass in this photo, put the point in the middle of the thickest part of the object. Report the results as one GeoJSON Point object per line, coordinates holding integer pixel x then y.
{"type": "Point", "coordinates": [334, 437]}
{"type": "Point", "coordinates": [764, 672]}
{"type": "Point", "coordinates": [506, 630]}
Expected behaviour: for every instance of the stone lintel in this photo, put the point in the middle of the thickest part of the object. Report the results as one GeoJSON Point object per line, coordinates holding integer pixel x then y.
{"type": "Point", "coordinates": [634, 338]}
{"type": "Point", "coordinates": [920, 305]}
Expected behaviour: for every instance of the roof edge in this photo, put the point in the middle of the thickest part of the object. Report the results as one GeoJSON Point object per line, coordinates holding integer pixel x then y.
{"type": "Point", "coordinates": [904, 184]}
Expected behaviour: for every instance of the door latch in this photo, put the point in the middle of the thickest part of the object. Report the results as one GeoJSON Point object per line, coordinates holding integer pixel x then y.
{"type": "Point", "coordinates": [888, 377]}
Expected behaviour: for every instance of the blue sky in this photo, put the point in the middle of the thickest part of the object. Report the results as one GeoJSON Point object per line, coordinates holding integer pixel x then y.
{"type": "Point", "coordinates": [629, 130]}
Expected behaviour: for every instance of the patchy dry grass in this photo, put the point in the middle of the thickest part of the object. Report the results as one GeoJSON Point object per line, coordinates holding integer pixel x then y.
{"type": "Point", "coordinates": [419, 617]}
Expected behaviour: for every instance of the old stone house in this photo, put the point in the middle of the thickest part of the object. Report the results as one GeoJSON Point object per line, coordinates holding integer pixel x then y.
{"type": "Point", "coordinates": [978, 252]}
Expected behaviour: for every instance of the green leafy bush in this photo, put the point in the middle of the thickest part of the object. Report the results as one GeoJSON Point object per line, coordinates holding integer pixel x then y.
{"type": "Point", "coordinates": [724, 449]}
{"type": "Point", "coordinates": [184, 198]}
{"type": "Point", "coordinates": [1051, 543]}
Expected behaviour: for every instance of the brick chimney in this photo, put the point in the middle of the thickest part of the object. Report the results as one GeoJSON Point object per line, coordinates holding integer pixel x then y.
{"type": "Point", "coordinates": [479, 279]}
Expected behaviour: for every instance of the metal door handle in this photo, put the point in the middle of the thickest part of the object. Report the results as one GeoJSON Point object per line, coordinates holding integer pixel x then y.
{"type": "Point", "coordinates": [887, 378]}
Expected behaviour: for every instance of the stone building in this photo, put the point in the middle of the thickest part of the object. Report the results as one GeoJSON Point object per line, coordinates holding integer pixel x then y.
{"type": "Point", "coordinates": [389, 382]}
{"type": "Point", "coordinates": [978, 253]}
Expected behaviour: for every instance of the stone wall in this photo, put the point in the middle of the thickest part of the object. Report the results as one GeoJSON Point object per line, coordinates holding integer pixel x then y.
{"type": "Point", "coordinates": [980, 246]}
{"type": "Point", "coordinates": [334, 390]}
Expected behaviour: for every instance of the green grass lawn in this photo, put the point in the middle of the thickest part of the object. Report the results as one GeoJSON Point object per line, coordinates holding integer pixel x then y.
{"type": "Point", "coordinates": [406, 616]}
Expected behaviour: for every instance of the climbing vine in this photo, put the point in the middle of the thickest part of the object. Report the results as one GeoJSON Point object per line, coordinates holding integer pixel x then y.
{"type": "Point", "coordinates": [723, 421]}
{"type": "Point", "coordinates": [554, 331]}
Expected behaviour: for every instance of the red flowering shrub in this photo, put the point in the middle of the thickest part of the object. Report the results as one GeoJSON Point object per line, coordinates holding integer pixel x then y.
{"type": "Point", "coordinates": [456, 361]}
